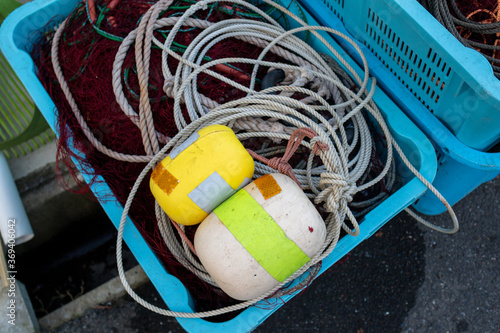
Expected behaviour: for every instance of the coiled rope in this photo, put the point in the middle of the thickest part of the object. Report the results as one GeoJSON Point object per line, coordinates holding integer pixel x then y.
{"type": "Point", "coordinates": [271, 113]}
{"type": "Point", "coordinates": [463, 27]}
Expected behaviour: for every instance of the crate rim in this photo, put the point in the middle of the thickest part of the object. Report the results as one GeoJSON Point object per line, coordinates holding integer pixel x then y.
{"type": "Point", "coordinates": [478, 68]}
{"type": "Point", "coordinates": [447, 142]}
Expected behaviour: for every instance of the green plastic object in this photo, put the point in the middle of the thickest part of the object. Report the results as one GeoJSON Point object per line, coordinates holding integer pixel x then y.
{"type": "Point", "coordinates": [7, 6]}
{"type": "Point", "coordinates": [22, 126]}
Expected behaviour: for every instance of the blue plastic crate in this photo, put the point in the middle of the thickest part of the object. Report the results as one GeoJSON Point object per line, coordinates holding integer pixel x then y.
{"type": "Point", "coordinates": [26, 22]}
{"type": "Point", "coordinates": [406, 48]}
{"type": "Point", "coordinates": [453, 82]}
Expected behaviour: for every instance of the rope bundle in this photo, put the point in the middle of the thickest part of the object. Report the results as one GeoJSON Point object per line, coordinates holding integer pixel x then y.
{"type": "Point", "coordinates": [476, 24]}
{"type": "Point", "coordinates": [315, 97]}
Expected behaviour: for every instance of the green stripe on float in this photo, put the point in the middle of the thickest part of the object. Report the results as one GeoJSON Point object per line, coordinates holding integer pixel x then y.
{"type": "Point", "coordinates": [260, 235]}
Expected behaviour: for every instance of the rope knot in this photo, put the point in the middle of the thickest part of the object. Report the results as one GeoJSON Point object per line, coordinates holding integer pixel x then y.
{"type": "Point", "coordinates": [338, 186]}
{"type": "Point", "coordinates": [304, 73]}
{"type": "Point", "coordinates": [290, 76]}
{"type": "Point", "coordinates": [318, 145]}
{"type": "Point", "coordinates": [168, 87]}
{"type": "Point", "coordinates": [281, 163]}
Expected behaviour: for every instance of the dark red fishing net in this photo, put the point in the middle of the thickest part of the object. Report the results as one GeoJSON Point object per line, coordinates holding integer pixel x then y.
{"type": "Point", "coordinates": [87, 52]}
{"type": "Point", "coordinates": [469, 6]}
{"type": "Point", "coordinates": [476, 23]}
{"type": "Point", "coordinates": [484, 12]}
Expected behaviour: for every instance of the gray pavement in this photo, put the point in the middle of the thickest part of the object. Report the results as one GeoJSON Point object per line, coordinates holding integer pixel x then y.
{"type": "Point", "coordinates": [461, 289]}
{"type": "Point", "coordinates": [405, 278]}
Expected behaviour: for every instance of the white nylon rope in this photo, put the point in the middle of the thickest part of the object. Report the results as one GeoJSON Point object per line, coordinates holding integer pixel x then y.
{"type": "Point", "coordinates": [76, 111]}
{"type": "Point", "coordinates": [335, 201]}
{"type": "Point", "coordinates": [261, 114]}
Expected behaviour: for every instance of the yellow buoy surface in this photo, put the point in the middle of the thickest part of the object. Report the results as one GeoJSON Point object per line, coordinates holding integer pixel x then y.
{"type": "Point", "coordinates": [200, 174]}
{"type": "Point", "coordinates": [259, 237]}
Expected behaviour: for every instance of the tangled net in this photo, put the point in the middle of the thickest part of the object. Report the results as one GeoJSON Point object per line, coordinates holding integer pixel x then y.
{"type": "Point", "coordinates": [475, 23]}
{"type": "Point", "coordinates": [134, 79]}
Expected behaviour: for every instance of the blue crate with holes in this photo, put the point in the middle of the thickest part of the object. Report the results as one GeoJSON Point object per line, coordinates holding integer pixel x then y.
{"type": "Point", "coordinates": [448, 90]}
{"type": "Point", "coordinates": [22, 27]}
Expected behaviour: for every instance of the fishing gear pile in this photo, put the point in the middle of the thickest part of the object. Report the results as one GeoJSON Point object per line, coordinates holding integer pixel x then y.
{"type": "Point", "coordinates": [475, 23]}
{"type": "Point", "coordinates": [140, 84]}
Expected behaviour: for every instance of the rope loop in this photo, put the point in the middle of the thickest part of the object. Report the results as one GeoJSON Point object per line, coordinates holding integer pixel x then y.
{"type": "Point", "coordinates": [168, 86]}
{"type": "Point", "coordinates": [332, 92]}
{"type": "Point", "coordinates": [281, 164]}
{"type": "Point", "coordinates": [318, 146]}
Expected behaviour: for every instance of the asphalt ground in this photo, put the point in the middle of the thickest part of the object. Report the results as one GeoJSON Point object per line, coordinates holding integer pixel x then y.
{"type": "Point", "coordinates": [405, 278]}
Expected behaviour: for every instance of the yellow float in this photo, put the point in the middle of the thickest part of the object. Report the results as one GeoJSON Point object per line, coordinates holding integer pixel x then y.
{"type": "Point", "coordinates": [200, 174]}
